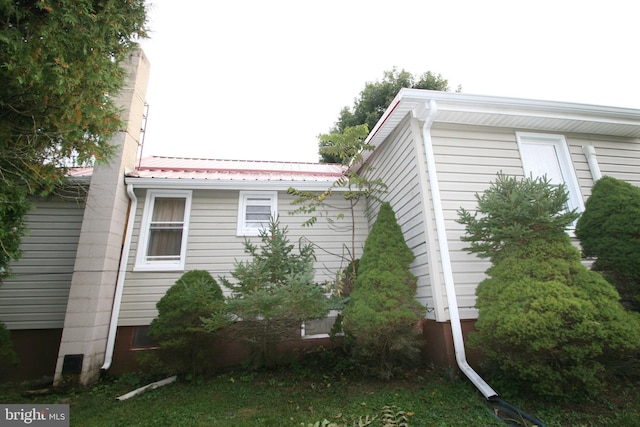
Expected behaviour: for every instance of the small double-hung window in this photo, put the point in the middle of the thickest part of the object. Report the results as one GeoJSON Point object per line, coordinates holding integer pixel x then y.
{"type": "Point", "coordinates": [164, 229]}
{"type": "Point", "coordinates": [548, 154]}
{"type": "Point", "coordinates": [255, 210]}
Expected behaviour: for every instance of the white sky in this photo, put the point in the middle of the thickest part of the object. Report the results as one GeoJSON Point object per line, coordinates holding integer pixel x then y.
{"type": "Point", "coordinates": [259, 80]}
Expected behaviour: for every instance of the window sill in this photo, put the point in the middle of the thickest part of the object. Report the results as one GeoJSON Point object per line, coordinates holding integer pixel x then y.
{"type": "Point", "coordinates": [160, 267]}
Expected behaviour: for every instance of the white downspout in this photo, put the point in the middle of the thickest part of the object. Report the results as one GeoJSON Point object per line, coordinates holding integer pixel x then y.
{"type": "Point", "coordinates": [454, 315]}
{"type": "Point", "coordinates": [117, 299]}
{"type": "Point", "coordinates": [590, 154]}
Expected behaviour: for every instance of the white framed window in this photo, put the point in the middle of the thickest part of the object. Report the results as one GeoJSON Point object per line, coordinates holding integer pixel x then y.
{"type": "Point", "coordinates": [163, 231]}
{"type": "Point", "coordinates": [320, 328]}
{"type": "Point", "coordinates": [548, 154]}
{"type": "Point", "coordinates": [255, 210]}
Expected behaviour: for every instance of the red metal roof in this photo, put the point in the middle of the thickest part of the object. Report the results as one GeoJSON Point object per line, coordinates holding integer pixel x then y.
{"type": "Point", "coordinates": [80, 172]}
{"type": "Point", "coordinates": [234, 170]}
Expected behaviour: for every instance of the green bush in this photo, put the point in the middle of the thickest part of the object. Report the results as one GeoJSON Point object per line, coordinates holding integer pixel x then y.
{"type": "Point", "coordinates": [380, 317]}
{"type": "Point", "coordinates": [609, 231]}
{"type": "Point", "coordinates": [544, 318]}
{"type": "Point", "coordinates": [272, 294]}
{"type": "Point", "coordinates": [7, 354]}
{"type": "Point", "coordinates": [186, 346]}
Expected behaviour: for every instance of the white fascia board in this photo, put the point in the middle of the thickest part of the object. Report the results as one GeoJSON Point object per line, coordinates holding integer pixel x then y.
{"type": "Point", "coordinates": [486, 103]}
{"type": "Point", "coordinates": [203, 184]}
{"type": "Point", "coordinates": [482, 110]}
{"type": "Point", "coordinates": [460, 102]}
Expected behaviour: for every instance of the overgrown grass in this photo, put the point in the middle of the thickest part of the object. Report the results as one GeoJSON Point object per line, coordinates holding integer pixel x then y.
{"type": "Point", "coordinates": [303, 397]}
{"type": "Point", "coordinates": [273, 398]}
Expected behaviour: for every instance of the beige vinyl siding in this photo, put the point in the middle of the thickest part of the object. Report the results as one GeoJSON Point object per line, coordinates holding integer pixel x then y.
{"type": "Point", "coordinates": [395, 162]}
{"type": "Point", "coordinates": [617, 157]}
{"type": "Point", "coordinates": [35, 297]}
{"type": "Point", "coordinates": [213, 245]}
{"type": "Point", "coordinates": [467, 160]}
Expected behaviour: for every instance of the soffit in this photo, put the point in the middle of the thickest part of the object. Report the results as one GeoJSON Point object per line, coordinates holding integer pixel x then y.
{"type": "Point", "coordinates": [520, 114]}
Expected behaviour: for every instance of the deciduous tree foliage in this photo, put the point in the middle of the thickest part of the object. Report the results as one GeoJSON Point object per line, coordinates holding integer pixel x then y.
{"type": "Point", "coordinates": [60, 69]}
{"type": "Point", "coordinates": [544, 318]}
{"type": "Point", "coordinates": [371, 104]}
{"type": "Point", "coordinates": [609, 231]}
{"type": "Point", "coordinates": [349, 148]}
{"type": "Point", "coordinates": [381, 316]}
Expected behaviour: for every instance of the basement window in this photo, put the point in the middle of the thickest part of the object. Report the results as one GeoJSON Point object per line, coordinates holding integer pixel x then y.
{"type": "Point", "coordinates": [319, 328]}
{"type": "Point", "coordinates": [141, 338]}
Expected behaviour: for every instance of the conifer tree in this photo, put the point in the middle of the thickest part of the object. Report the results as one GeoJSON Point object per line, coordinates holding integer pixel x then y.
{"type": "Point", "coordinates": [609, 232]}
{"type": "Point", "coordinates": [382, 312]}
{"type": "Point", "coordinates": [273, 293]}
{"type": "Point", "coordinates": [544, 318]}
{"type": "Point", "coordinates": [60, 69]}
{"type": "Point", "coordinates": [186, 346]}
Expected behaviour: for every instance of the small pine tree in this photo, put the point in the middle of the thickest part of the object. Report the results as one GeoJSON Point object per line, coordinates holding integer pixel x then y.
{"type": "Point", "coordinates": [513, 212]}
{"type": "Point", "coordinates": [382, 312]}
{"type": "Point", "coordinates": [544, 318]}
{"type": "Point", "coordinates": [186, 346]}
{"type": "Point", "coordinates": [609, 231]}
{"type": "Point", "coordinates": [273, 293]}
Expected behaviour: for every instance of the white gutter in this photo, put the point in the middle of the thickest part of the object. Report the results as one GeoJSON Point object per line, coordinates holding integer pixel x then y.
{"type": "Point", "coordinates": [592, 160]}
{"type": "Point", "coordinates": [214, 184]}
{"type": "Point", "coordinates": [117, 299]}
{"type": "Point", "coordinates": [454, 315]}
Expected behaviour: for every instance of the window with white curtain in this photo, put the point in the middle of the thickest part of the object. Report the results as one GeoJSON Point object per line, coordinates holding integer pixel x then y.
{"type": "Point", "coordinates": [164, 229]}
{"type": "Point", "coordinates": [548, 154]}
{"type": "Point", "coordinates": [255, 210]}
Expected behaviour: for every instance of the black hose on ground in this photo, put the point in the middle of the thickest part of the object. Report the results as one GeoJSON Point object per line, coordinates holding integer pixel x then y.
{"type": "Point", "coordinates": [512, 415]}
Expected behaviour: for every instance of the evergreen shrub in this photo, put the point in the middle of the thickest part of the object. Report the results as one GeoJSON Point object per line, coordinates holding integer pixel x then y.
{"type": "Point", "coordinates": [186, 346]}
{"type": "Point", "coordinates": [272, 294]}
{"type": "Point", "coordinates": [544, 319]}
{"type": "Point", "coordinates": [609, 232]}
{"type": "Point", "coordinates": [381, 316]}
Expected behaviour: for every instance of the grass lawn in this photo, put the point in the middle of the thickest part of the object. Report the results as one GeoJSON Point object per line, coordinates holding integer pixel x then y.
{"type": "Point", "coordinates": [303, 398]}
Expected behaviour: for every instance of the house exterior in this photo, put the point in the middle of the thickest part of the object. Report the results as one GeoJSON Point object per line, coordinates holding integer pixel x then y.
{"type": "Point", "coordinates": [437, 150]}
{"type": "Point", "coordinates": [96, 264]}
{"type": "Point", "coordinates": [211, 208]}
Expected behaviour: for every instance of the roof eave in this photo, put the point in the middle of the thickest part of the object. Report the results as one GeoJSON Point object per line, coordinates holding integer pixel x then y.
{"type": "Point", "coordinates": [457, 108]}
{"type": "Point", "coordinates": [204, 184]}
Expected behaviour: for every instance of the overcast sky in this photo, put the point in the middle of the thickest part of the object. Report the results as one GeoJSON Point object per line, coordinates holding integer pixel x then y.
{"type": "Point", "coordinates": [259, 80]}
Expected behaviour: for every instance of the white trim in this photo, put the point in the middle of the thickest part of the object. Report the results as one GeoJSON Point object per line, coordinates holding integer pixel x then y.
{"type": "Point", "coordinates": [509, 113]}
{"type": "Point", "coordinates": [563, 156]}
{"type": "Point", "coordinates": [333, 314]}
{"type": "Point", "coordinates": [271, 196]}
{"type": "Point", "coordinates": [204, 184]}
{"type": "Point", "coordinates": [142, 264]}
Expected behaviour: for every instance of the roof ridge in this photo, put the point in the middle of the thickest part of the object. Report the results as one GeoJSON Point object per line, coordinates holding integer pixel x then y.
{"type": "Point", "coordinates": [242, 160]}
